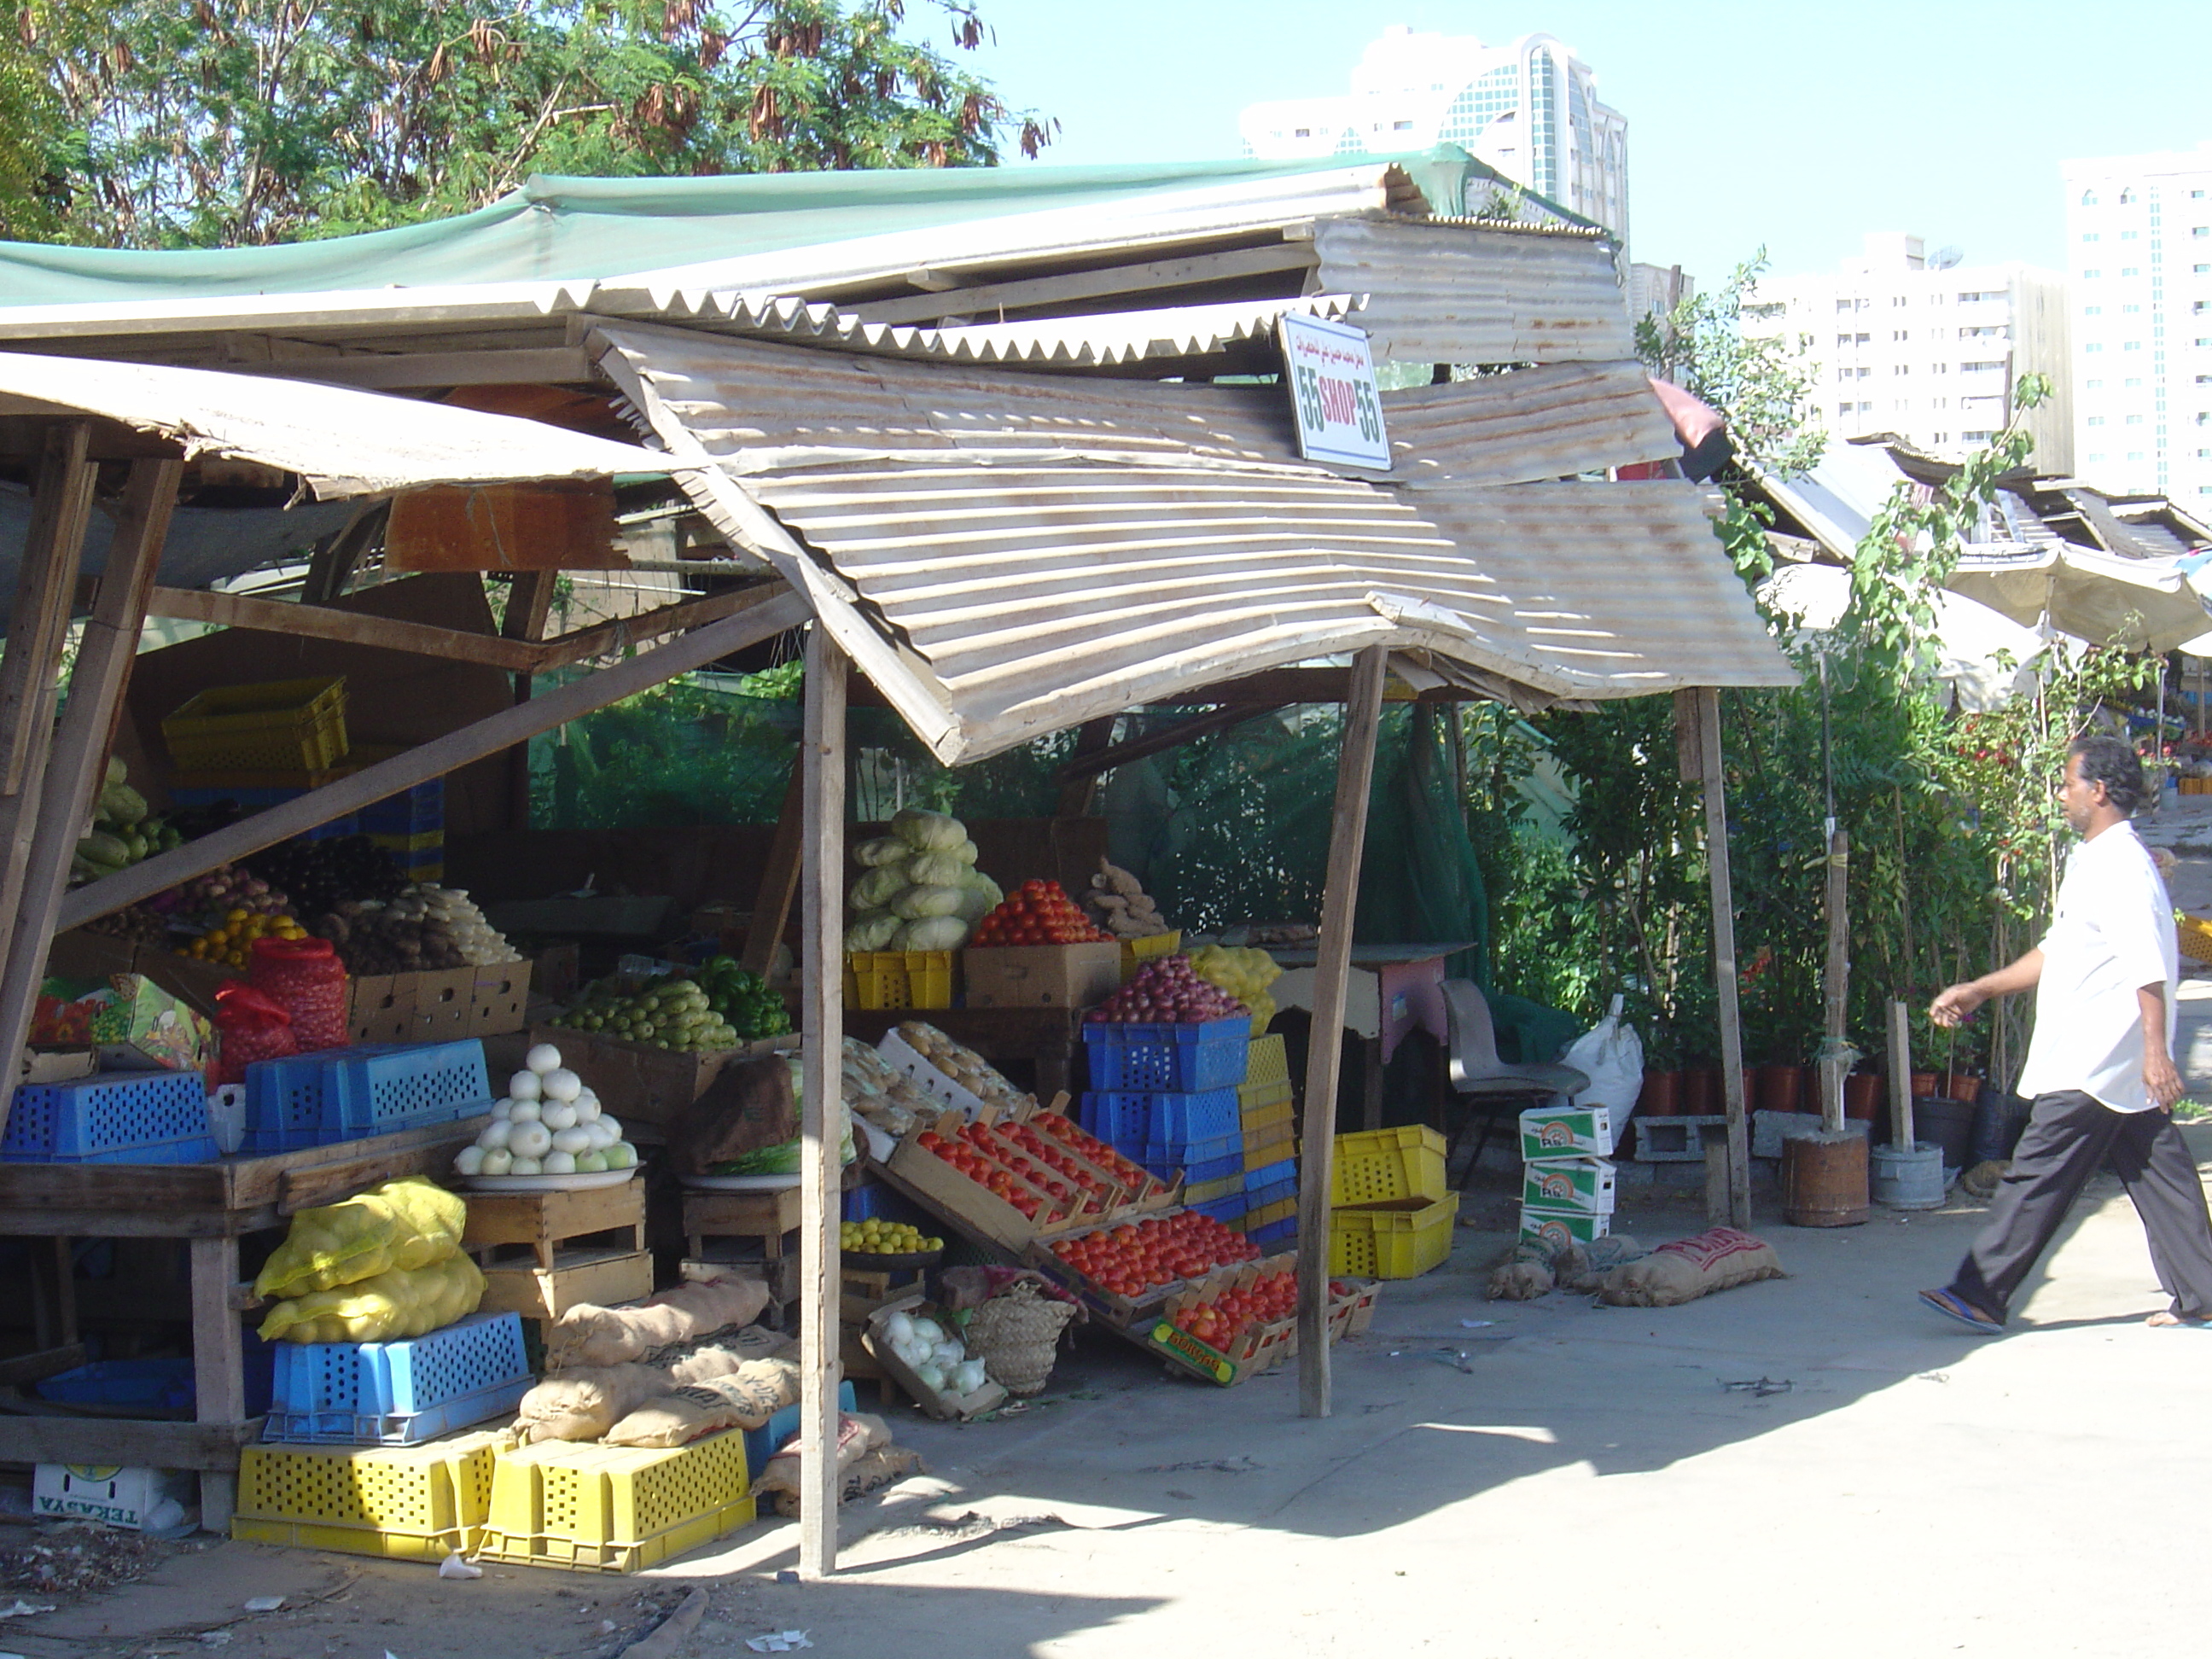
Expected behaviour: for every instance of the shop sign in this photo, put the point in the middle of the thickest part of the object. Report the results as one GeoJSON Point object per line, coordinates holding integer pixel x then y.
{"type": "Point", "coordinates": [1331, 374]}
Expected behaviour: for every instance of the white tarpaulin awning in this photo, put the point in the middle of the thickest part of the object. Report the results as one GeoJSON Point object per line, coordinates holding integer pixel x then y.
{"type": "Point", "coordinates": [341, 442]}
{"type": "Point", "coordinates": [2138, 605]}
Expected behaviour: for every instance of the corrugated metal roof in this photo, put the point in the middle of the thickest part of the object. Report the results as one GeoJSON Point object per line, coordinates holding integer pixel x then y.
{"type": "Point", "coordinates": [341, 442]}
{"type": "Point", "coordinates": [1020, 553]}
{"type": "Point", "coordinates": [757, 401]}
{"type": "Point", "coordinates": [1471, 293]}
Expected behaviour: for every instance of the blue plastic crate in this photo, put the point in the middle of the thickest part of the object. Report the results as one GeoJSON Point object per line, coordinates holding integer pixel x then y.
{"type": "Point", "coordinates": [1272, 1175]}
{"type": "Point", "coordinates": [118, 1117]}
{"type": "Point", "coordinates": [412, 811]}
{"type": "Point", "coordinates": [1118, 1119]}
{"type": "Point", "coordinates": [259, 801]}
{"type": "Point", "coordinates": [764, 1441]}
{"type": "Point", "coordinates": [1275, 1232]}
{"type": "Point", "coordinates": [1259, 1198]}
{"type": "Point", "coordinates": [1194, 1173]}
{"type": "Point", "coordinates": [397, 1394]}
{"type": "Point", "coordinates": [1227, 1210]}
{"type": "Point", "coordinates": [346, 1094]}
{"type": "Point", "coordinates": [1170, 1059]}
{"type": "Point", "coordinates": [1181, 1152]}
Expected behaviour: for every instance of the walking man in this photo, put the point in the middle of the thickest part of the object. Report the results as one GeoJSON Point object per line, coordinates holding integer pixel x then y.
{"type": "Point", "coordinates": [2100, 1065]}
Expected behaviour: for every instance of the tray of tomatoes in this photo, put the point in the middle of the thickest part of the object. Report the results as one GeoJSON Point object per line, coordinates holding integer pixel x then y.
{"type": "Point", "coordinates": [1128, 1268]}
{"type": "Point", "coordinates": [1038, 912]}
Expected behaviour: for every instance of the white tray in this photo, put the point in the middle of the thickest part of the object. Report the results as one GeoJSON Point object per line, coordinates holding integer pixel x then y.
{"type": "Point", "coordinates": [754, 1183]}
{"type": "Point", "coordinates": [546, 1184]}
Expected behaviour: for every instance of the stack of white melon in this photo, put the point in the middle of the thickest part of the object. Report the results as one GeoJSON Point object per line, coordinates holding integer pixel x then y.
{"type": "Point", "coordinates": [549, 1124]}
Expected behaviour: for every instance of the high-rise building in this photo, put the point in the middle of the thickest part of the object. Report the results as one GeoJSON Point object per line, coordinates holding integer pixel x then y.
{"type": "Point", "coordinates": [1653, 291]}
{"type": "Point", "coordinates": [2139, 236]}
{"type": "Point", "coordinates": [1926, 347]}
{"type": "Point", "coordinates": [1530, 110]}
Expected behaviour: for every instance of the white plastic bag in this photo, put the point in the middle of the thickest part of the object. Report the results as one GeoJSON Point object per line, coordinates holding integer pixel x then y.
{"type": "Point", "coordinates": [1611, 1055]}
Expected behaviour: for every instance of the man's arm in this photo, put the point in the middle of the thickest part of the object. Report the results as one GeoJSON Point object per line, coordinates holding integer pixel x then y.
{"type": "Point", "coordinates": [1957, 1003]}
{"type": "Point", "coordinates": [2159, 1076]}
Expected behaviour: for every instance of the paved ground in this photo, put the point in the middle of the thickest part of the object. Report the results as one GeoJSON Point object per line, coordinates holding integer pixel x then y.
{"type": "Point", "coordinates": [1565, 1481]}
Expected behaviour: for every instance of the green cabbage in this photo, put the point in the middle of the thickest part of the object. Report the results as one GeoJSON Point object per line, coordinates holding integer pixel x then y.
{"type": "Point", "coordinates": [879, 886]}
{"type": "Point", "coordinates": [966, 853]}
{"type": "Point", "coordinates": [936, 870]}
{"type": "Point", "coordinates": [931, 933]}
{"type": "Point", "coordinates": [871, 930]}
{"type": "Point", "coordinates": [928, 832]}
{"type": "Point", "coordinates": [915, 902]}
{"type": "Point", "coordinates": [884, 849]}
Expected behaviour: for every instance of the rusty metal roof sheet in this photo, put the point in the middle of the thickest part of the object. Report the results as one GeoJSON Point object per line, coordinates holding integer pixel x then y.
{"type": "Point", "coordinates": [1018, 553]}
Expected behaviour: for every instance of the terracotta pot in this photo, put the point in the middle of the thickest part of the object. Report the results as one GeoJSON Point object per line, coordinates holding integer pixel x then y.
{"type": "Point", "coordinates": [1701, 1092]}
{"type": "Point", "coordinates": [1780, 1088]}
{"type": "Point", "coordinates": [1924, 1085]}
{"type": "Point", "coordinates": [1662, 1096]}
{"type": "Point", "coordinates": [1862, 1092]}
{"type": "Point", "coordinates": [1963, 1085]}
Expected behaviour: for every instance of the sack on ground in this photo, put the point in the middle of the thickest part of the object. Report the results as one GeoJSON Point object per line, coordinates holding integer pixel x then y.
{"type": "Point", "coordinates": [1688, 1268]}
{"type": "Point", "coordinates": [402, 1223]}
{"type": "Point", "coordinates": [858, 1434]}
{"type": "Point", "coordinates": [745, 1399]}
{"type": "Point", "coordinates": [881, 1468]}
{"type": "Point", "coordinates": [586, 1403]}
{"type": "Point", "coordinates": [402, 1303]}
{"type": "Point", "coordinates": [1598, 1259]}
{"type": "Point", "coordinates": [590, 1335]}
{"type": "Point", "coordinates": [1518, 1281]}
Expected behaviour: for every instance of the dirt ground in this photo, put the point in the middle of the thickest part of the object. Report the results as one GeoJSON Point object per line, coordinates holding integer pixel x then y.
{"type": "Point", "coordinates": [1814, 1463]}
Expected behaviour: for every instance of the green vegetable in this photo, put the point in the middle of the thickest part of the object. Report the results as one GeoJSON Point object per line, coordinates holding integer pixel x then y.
{"type": "Point", "coordinates": [915, 902]}
{"type": "Point", "coordinates": [928, 832]}
{"type": "Point", "coordinates": [102, 847]}
{"type": "Point", "coordinates": [783, 1159]}
{"type": "Point", "coordinates": [121, 803]}
{"type": "Point", "coordinates": [935, 870]}
{"type": "Point", "coordinates": [876, 888]}
{"type": "Point", "coordinates": [884, 849]}
{"type": "Point", "coordinates": [931, 933]}
{"type": "Point", "coordinates": [871, 930]}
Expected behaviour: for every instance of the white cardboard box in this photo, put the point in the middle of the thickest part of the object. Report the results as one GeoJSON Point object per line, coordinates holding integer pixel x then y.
{"type": "Point", "coordinates": [1583, 1185]}
{"type": "Point", "coordinates": [1560, 1225]}
{"type": "Point", "coordinates": [1553, 1132]}
{"type": "Point", "coordinates": [150, 1500]}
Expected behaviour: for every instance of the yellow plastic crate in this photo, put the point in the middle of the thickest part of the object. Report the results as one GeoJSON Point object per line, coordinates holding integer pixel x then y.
{"type": "Point", "coordinates": [2193, 933]}
{"type": "Point", "coordinates": [614, 1509]}
{"type": "Point", "coordinates": [1378, 1164]}
{"type": "Point", "coordinates": [1270, 1065]}
{"type": "Point", "coordinates": [404, 1502]}
{"type": "Point", "coordinates": [1268, 1114]}
{"type": "Point", "coordinates": [1268, 1214]}
{"type": "Point", "coordinates": [1136, 952]}
{"type": "Point", "coordinates": [898, 979]}
{"type": "Point", "coordinates": [1400, 1239]}
{"type": "Point", "coordinates": [277, 724]}
{"type": "Point", "coordinates": [424, 841]}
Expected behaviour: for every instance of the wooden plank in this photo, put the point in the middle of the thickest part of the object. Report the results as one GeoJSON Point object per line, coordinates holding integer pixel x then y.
{"type": "Point", "coordinates": [767, 613]}
{"type": "Point", "coordinates": [333, 565]}
{"type": "Point", "coordinates": [529, 611]}
{"type": "Point", "coordinates": [218, 1366]}
{"type": "Point", "coordinates": [130, 1441]}
{"type": "Point", "coordinates": [984, 301]}
{"type": "Point", "coordinates": [821, 1019]}
{"type": "Point", "coordinates": [409, 371]}
{"type": "Point", "coordinates": [602, 637]}
{"type": "Point", "coordinates": [78, 765]}
{"type": "Point", "coordinates": [1900, 1077]}
{"type": "Point", "coordinates": [61, 507]}
{"type": "Point", "coordinates": [345, 627]}
{"type": "Point", "coordinates": [1724, 966]}
{"type": "Point", "coordinates": [1163, 738]}
{"type": "Point", "coordinates": [1347, 837]}
{"type": "Point", "coordinates": [37, 1367]}
{"type": "Point", "coordinates": [1077, 793]}
{"type": "Point", "coordinates": [779, 882]}
{"type": "Point", "coordinates": [1836, 983]}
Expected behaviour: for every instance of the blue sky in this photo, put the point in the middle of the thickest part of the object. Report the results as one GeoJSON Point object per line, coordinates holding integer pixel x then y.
{"type": "Point", "coordinates": [1797, 126]}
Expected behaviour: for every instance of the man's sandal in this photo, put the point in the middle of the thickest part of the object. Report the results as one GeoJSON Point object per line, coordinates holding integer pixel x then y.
{"type": "Point", "coordinates": [1952, 1306]}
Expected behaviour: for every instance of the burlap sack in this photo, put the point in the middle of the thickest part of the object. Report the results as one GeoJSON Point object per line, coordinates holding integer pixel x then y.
{"type": "Point", "coordinates": [745, 1399]}
{"type": "Point", "coordinates": [1599, 1258]}
{"type": "Point", "coordinates": [584, 1404]}
{"type": "Point", "coordinates": [1519, 1281]}
{"type": "Point", "coordinates": [1691, 1267]}
{"type": "Point", "coordinates": [858, 1434]}
{"type": "Point", "coordinates": [589, 1336]}
{"type": "Point", "coordinates": [881, 1468]}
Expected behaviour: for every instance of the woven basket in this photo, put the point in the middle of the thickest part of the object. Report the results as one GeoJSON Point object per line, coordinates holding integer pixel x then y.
{"type": "Point", "coordinates": [1016, 1335]}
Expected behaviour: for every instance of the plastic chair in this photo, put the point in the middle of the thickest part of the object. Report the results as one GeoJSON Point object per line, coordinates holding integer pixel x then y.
{"type": "Point", "coordinates": [1490, 1086]}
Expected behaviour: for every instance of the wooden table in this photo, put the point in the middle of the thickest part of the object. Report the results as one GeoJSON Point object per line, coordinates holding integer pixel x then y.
{"type": "Point", "coordinates": [1393, 991]}
{"type": "Point", "coordinates": [211, 1205]}
{"type": "Point", "coordinates": [1042, 1038]}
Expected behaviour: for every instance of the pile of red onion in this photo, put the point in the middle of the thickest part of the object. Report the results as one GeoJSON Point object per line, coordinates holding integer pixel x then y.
{"type": "Point", "coordinates": [1168, 992]}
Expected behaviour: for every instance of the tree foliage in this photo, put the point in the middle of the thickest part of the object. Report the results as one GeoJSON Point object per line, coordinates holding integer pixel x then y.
{"type": "Point", "coordinates": [206, 122]}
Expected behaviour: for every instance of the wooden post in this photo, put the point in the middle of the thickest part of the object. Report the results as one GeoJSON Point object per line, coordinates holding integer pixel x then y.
{"type": "Point", "coordinates": [1347, 837]}
{"type": "Point", "coordinates": [778, 883]}
{"type": "Point", "coordinates": [1076, 795]}
{"type": "Point", "coordinates": [529, 606]}
{"type": "Point", "coordinates": [1724, 970]}
{"type": "Point", "coordinates": [79, 761]}
{"type": "Point", "coordinates": [823, 1022]}
{"type": "Point", "coordinates": [218, 1365]}
{"type": "Point", "coordinates": [1837, 985]}
{"type": "Point", "coordinates": [37, 627]}
{"type": "Point", "coordinates": [1900, 1078]}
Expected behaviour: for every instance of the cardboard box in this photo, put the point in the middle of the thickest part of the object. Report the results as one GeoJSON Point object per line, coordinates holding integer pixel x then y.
{"type": "Point", "coordinates": [498, 998]}
{"type": "Point", "coordinates": [1041, 976]}
{"type": "Point", "coordinates": [141, 1499]}
{"type": "Point", "coordinates": [641, 1084]}
{"type": "Point", "coordinates": [54, 1066]}
{"type": "Point", "coordinates": [1556, 1132]}
{"type": "Point", "coordinates": [130, 1023]}
{"type": "Point", "coordinates": [1560, 1227]}
{"type": "Point", "coordinates": [1583, 1185]}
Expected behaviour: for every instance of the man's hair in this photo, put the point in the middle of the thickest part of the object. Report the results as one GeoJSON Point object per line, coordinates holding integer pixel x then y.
{"type": "Point", "coordinates": [2113, 762]}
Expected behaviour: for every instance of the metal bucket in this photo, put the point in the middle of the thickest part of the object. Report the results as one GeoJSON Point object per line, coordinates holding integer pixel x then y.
{"type": "Point", "coordinates": [1909, 1177]}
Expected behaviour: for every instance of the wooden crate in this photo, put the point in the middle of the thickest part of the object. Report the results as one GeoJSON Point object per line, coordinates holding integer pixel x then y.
{"type": "Point", "coordinates": [764, 1221]}
{"type": "Point", "coordinates": [603, 1278]}
{"type": "Point", "coordinates": [543, 1223]}
{"type": "Point", "coordinates": [642, 1085]}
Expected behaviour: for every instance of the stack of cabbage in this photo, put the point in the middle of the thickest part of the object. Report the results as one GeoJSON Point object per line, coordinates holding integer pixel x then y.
{"type": "Point", "coordinates": [384, 1264]}
{"type": "Point", "coordinates": [922, 891]}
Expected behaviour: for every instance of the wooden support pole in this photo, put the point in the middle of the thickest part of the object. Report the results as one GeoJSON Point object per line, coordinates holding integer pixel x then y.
{"type": "Point", "coordinates": [78, 764]}
{"type": "Point", "coordinates": [1724, 967]}
{"type": "Point", "coordinates": [1347, 838]}
{"type": "Point", "coordinates": [1836, 987]}
{"type": "Point", "coordinates": [1079, 791]}
{"type": "Point", "coordinates": [30, 668]}
{"type": "Point", "coordinates": [218, 1366]}
{"type": "Point", "coordinates": [822, 1020]}
{"type": "Point", "coordinates": [771, 612]}
{"type": "Point", "coordinates": [778, 883]}
{"type": "Point", "coordinates": [1900, 1078]}
{"type": "Point", "coordinates": [529, 607]}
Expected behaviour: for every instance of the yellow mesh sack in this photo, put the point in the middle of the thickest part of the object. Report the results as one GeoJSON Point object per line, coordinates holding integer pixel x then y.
{"type": "Point", "coordinates": [404, 1302]}
{"type": "Point", "coordinates": [401, 1225]}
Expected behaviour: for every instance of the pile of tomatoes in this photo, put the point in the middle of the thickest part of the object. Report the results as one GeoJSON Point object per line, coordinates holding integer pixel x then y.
{"type": "Point", "coordinates": [972, 1153]}
{"type": "Point", "coordinates": [1088, 1147]}
{"type": "Point", "coordinates": [1038, 912]}
{"type": "Point", "coordinates": [1132, 1258]}
{"type": "Point", "coordinates": [1220, 1323]}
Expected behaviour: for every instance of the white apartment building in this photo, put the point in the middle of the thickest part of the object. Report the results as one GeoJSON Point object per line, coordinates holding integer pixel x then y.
{"type": "Point", "coordinates": [1653, 291]}
{"type": "Point", "coordinates": [2139, 236]}
{"type": "Point", "coordinates": [1530, 110]}
{"type": "Point", "coordinates": [1927, 349]}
